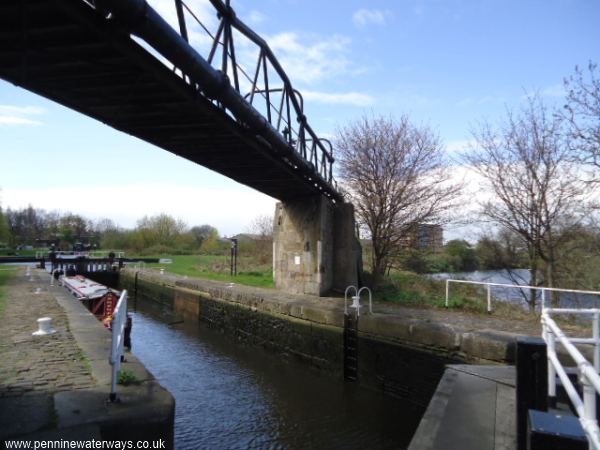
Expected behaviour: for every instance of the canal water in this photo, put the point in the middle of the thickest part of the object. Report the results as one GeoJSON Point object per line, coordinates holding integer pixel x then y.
{"type": "Point", "coordinates": [235, 396]}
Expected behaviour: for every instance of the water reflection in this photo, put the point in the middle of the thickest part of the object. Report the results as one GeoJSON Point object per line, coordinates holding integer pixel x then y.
{"type": "Point", "coordinates": [233, 396]}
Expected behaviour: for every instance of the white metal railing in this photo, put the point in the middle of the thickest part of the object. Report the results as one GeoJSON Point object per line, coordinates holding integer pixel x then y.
{"type": "Point", "coordinates": [118, 339]}
{"type": "Point", "coordinates": [489, 286]}
{"type": "Point", "coordinates": [90, 253]}
{"type": "Point", "coordinates": [588, 373]}
{"type": "Point", "coordinates": [356, 299]}
{"type": "Point", "coordinates": [106, 253]}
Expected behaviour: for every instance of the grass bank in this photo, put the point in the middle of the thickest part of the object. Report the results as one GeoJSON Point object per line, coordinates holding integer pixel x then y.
{"type": "Point", "coordinates": [411, 289]}
{"type": "Point", "coordinates": [404, 288]}
{"type": "Point", "coordinates": [216, 267]}
{"type": "Point", "coordinates": [5, 274]}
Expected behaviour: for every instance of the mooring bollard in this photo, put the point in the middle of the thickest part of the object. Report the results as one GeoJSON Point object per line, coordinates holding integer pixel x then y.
{"type": "Point", "coordinates": [532, 382]}
{"type": "Point", "coordinates": [44, 327]}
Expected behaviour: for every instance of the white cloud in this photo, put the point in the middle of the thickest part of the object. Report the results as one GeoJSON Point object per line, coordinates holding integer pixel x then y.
{"type": "Point", "coordinates": [309, 63]}
{"type": "Point", "coordinates": [364, 17]}
{"type": "Point", "coordinates": [305, 58]}
{"type": "Point", "coordinates": [256, 17]}
{"type": "Point", "coordinates": [556, 90]}
{"type": "Point", "coordinates": [126, 204]}
{"type": "Point", "coordinates": [463, 145]}
{"type": "Point", "coordinates": [346, 98]}
{"type": "Point", "coordinates": [475, 101]}
{"type": "Point", "coordinates": [12, 120]}
{"type": "Point", "coordinates": [19, 115]}
{"type": "Point", "coordinates": [419, 8]}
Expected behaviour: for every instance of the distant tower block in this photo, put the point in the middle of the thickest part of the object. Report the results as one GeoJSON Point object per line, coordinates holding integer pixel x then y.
{"type": "Point", "coordinates": [315, 249]}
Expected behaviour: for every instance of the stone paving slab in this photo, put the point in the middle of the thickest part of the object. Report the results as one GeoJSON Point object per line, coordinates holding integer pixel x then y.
{"type": "Point", "coordinates": [57, 387]}
{"type": "Point", "coordinates": [472, 408]}
{"type": "Point", "coordinates": [32, 368]}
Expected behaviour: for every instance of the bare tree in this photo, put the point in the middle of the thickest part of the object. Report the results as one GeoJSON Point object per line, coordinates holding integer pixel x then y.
{"type": "Point", "coordinates": [582, 112]}
{"type": "Point", "coordinates": [4, 227]}
{"type": "Point", "coordinates": [396, 176]}
{"type": "Point", "coordinates": [262, 228]}
{"type": "Point", "coordinates": [526, 166]}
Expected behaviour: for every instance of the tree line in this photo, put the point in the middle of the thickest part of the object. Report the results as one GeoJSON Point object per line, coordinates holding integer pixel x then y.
{"type": "Point", "coordinates": [539, 175]}
{"type": "Point", "coordinates": [158, 234]}
{"type": "Point", "coordinates": [538, 168]}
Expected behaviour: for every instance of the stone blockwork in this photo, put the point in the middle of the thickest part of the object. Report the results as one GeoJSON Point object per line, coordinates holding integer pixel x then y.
{"type": "Point", "coordinates": [314, 246]}
{"type": "Point", "coordinates": [401, 351]}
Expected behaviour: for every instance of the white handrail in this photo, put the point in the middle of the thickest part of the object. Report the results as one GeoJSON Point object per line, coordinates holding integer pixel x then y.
{"type": "Point", "coordinates": [588, 374]}
{"type": "Point", "coordinates": [346, 297]}
{"type": "Point", "coordinates": [370, 298]}
{"type": "Point", "coordinates": [356, 299]}
{"type": "Point", "coordinates": [543, 289]}
{"type": "Point", "coordinates": [117, 327]}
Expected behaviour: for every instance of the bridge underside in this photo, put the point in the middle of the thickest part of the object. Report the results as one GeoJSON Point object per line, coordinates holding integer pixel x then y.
{"type": "Point", "coordinates": [73, 56]}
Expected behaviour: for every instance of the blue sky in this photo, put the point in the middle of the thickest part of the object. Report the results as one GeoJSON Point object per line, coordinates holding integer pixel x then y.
{"type": "Point", "coordinates": [448, 64]}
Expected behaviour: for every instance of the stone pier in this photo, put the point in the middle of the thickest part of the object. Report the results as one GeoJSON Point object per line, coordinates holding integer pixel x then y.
{"type": "Point", "coordinates": [315, 249]}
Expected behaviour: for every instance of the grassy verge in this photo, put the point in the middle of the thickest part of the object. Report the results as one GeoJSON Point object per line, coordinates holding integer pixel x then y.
{"type": "Point", "coordinates": [405, 288]}
{"type": "Point", "coordinates": [411, 289]}
{"type": "Point", "coordinates": [218, 268]}
{"type": "Point", "coordinates": [5, 275]}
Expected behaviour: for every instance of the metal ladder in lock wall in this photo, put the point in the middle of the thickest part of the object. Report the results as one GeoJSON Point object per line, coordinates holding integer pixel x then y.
{"type": "Point", "coordinates": [350, 347]}
{"type": "Point", "coordinates": [351, 318]}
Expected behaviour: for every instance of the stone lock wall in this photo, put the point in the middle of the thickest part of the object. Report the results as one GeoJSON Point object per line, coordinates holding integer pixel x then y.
{"type": "Point", "coordinates": [312, 334]}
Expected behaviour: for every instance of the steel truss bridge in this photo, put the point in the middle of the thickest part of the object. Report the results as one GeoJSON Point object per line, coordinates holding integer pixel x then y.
{"type": "Point", "coordinates": [194, 91]}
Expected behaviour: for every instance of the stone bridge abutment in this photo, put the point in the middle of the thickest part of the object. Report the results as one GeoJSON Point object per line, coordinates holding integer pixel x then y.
{"type": "Point", "coordinates": [315, 248]}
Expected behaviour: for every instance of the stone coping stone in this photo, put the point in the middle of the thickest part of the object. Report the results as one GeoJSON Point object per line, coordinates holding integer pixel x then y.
{"type": "Point", "coordinates": [461, 336]}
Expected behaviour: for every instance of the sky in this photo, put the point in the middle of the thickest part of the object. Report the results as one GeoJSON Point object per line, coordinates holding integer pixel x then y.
{"type": "Point", "coordinates": [448, 64]}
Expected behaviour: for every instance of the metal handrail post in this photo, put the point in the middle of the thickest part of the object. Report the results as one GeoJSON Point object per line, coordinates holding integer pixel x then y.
{"type": "Point", "coordinates": [346, 297]}
{"type": "Point", "coordinates": [543, 298]}
{"type": "Point", "coordinates": [589, 399]}
{"type": "Point", "coordinates": [447, 292]}
{"type": "Point", "coordinates": [551, 342]}
{"type": "Point", "coordinates": [489, 299]}
{"type": "Point", "coordinates": [117, 343]}
{"type": "Point", "coordinates": [370, 297]}
{"type": "Point", "coordinates": [596, 336]}
{"type": "Point", "coordinates": [585, 404]}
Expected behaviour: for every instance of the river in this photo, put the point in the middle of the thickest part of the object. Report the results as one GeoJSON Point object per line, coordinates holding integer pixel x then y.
{"type": "Point", "coordinates": [517, 296]}
{"type": "Point", "coordinates": [234, 396]}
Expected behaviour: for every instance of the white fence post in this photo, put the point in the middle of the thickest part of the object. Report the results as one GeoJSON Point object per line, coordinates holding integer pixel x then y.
{"type": "Point", "coordinates": [589, 399]}
{"type": "Point", "coordinates": [596, 337]}
{"type": "Point", "coordinates": [534, 290]}
{"type": "Point", "coordinates": [549, 337]}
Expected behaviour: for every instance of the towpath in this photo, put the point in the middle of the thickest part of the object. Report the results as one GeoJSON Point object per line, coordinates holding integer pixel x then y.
{"type": "Point", "coordinates": [57, 386]}
{"type": "Point", "coordinates": [33, 369]}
